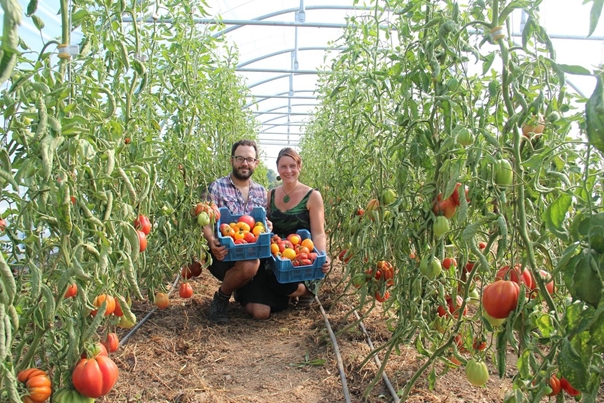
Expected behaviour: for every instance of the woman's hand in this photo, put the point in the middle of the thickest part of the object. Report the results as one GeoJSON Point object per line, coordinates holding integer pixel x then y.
{"type": "Point", "coordinates": [327, 265]}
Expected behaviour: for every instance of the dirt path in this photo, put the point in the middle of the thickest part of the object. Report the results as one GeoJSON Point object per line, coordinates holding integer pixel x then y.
{"type": "Point", "coordinates": [179, 356]}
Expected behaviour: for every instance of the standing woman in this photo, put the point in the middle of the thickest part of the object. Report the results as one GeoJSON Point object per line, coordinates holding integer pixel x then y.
{"type": "Point", "coordinates": [291, 206]}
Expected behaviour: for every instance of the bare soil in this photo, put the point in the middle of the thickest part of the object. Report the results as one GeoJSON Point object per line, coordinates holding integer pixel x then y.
{"type": "Point", "coordinates": [178, 355]}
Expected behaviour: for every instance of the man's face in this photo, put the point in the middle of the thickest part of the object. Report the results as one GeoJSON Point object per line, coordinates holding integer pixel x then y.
{"type": "Point", "coordinates": [245, 169]}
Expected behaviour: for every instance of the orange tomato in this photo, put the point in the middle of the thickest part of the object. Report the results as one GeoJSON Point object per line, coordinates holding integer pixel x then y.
{"type": "Point", "coordinates": [257, 230]}
{"type": "Point", "coordinates": [308, 243]}
{"type": "Point", "coordinates": [274, 248]}
{"type": "Point", "coordinates": [294, 239]}
{"type": "Point", "coordinates": [238, 235]}
{"type": "Point", "coordinates": [302, 249]}
{"type": "Point", "coordinates": [234, 226]}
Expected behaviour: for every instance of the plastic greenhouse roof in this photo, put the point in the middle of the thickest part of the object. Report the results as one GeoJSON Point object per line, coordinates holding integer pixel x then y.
{"type": "Point", "coordinates": [282, 46]}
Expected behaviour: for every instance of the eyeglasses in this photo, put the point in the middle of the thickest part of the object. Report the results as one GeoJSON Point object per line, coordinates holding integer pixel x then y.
{"type": "Point", "coordinates": [240, 159]}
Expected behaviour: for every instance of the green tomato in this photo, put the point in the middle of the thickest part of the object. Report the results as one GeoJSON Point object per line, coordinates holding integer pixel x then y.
{"type": "Point", "coordinates": [430, 267]}
{"type": "Point", "coordinates": [441, 226]}
{"type": "Point", "coordinates": [493, 321]}
{"type": "Point", "coordinates": [203, 219]}
{"type": "Point", "coordinates": [504, 174]}
{"type": "Point", "coordinates": [125, 323]}
{"type": "Point", "coordinates": [477, 372]}
{"type": "Point", "coordinates": [359, 279]}
{"type": "Point", "coordinates": [465, 137]}
{"type": "Point", "coordinates": [389, 196]}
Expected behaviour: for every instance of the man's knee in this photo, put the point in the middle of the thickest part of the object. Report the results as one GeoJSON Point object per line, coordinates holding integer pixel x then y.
{"type": "Point", "coordinates": [258, 311]}
{"type": "Point", "coordinates": [248, 268]}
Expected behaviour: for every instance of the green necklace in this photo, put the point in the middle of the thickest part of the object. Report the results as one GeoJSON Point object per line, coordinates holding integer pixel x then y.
{"type": "Point", "coordinates": [286, 198]}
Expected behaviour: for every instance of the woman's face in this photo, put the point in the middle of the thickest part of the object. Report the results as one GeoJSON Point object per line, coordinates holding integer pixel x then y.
{"type": "Point", "coordinates": [288, 169]}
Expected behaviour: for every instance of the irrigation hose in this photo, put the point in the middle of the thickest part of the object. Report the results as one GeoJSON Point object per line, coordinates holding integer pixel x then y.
{"type": "Point", "coordinates": [377, 360]}
{"type": "Point", "coordinates": [337, 351]}
{"type": "Point", "coordinates": [147, 316]}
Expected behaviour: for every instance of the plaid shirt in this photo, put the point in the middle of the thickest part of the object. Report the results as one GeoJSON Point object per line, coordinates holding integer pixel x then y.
{"type": "Point", "coordinates": [225, 194]}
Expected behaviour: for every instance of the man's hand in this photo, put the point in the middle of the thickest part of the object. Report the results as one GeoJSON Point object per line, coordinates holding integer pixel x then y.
{"type": "Point", "coordinates": [219, 251]}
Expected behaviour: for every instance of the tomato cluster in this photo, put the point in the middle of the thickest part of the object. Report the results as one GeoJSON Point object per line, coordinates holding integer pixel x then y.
{"type": "Point", "coordinates": [300, 251]}
{"type": "Point", "coordinates": [245, 230]}
{"type": "Point", "coordinates": [206, 213]}
{"type": "Point", "coordinates": [38, 385]}
{"type": "Point", "coordinates": [379, 278]}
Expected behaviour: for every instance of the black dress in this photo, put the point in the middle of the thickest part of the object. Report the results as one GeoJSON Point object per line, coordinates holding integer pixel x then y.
{"type": "Point", "coordinates": [264, 288]}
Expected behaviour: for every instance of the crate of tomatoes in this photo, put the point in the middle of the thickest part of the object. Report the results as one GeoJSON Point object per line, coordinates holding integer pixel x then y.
{"type": "Point", "coordinates": [295, 258]}
{"type": "Point", "coordinates": [245, 236]}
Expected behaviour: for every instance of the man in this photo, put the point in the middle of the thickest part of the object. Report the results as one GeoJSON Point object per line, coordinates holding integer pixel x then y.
{"type": "Point", "coordinates": [240, 194]}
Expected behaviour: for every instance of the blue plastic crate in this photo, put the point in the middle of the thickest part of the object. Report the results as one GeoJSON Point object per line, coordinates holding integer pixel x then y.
{"type": "Point", "coordinates": [258, 250]}
{"type": "Point", "coordinates": [286, 272]}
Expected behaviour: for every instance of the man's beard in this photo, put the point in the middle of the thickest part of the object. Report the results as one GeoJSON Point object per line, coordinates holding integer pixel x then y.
{"type": "Point", "coordinates": [241, 176]}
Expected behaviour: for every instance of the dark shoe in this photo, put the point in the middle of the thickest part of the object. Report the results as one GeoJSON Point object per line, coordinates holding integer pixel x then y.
{"type": "Point", "coordinates": [218, 310]}
{"type": "Point", "coordinates": [305, 301]}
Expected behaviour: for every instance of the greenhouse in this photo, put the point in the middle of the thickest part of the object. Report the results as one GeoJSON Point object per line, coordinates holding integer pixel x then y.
{"type": "Point", "coordinates": [447, 239]}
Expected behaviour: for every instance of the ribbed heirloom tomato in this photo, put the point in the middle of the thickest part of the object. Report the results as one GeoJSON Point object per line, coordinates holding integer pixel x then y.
{"type": "Point", "coordinates": [98, 301]}
{"type": "Point", "coordinates": [500, 298]}
{"type": "Point", "coordinates": [94, 377]}
{"type": "Point", "coordinates": [71, 396]}
{"type": "Point", "coordinates": [38, 385]}
{"type": "Point", "coordinates": [477, 372]}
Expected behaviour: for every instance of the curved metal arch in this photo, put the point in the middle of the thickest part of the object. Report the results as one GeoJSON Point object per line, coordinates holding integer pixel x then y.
{"type": "Point", "coordinates": [263, 98]}
{"type": "Point", "coordinates": [287, 11]}
{"type": "Point", "coordinates": [283, 106]}
{"type": "Point", "coordinates": [280, 52]}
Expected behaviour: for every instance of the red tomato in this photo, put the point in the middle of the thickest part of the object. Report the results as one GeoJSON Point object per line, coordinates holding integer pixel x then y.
{"type": "Point", "coordinates": [549, 285]}
{"type": "Point", "coordinates": [554, 383]}
{"type": "Point", "coordinates": [95, 377]}
{"type": "Point", "coordinates": [313, 256]}
{"type": "Point", "coordinates": [445, 207]}
{"type": "Point", "coordinates": [448, 262]}
{"type": "Point", "coordinates": [568, 388]}
{"type": "Point", "coordinates": [479, 344]}
{"type": "Point", "coordinates": [185, 290]}
{"type": "Point", "coordinates": [455, 195]}
{"type": "Point", "coordinates": [249, 237]}
{"type": "Point", "coordinates": [248, 219]}
{"type": "Point", "coordinates": [142, 239]}
{"type": "Point", "coordinates": [192, 270]}
{"type": "Point", "coordinates": [453, 308]}
{"type": "Point", "coordinates": [142, 223]}
{"type": "Point", "coordinates": [112, 342]}
{"type": "Point", "coordinates": [517, 275]}
{"type": "Point", "coordinates": [344, 256]}
{"type": "Point", "coordinates": [161, 300]}
{"type": "Point", "coordinates": [97, 348]}
{"type": "Point", "coordinates": [470, 266]}
{"type": "Point", "coordinates": [500, 298]}
{"type": "Point", "coordinates": [2, 224]}
{"type": "Point", "coordinates": [118, 309]}
{"type": "Point", "coordinates": [72, 291]}
{"type": "Point", "coordinates": [482, 245]}
{"type": "Point", "coordinates": [382, 297]}
{"type": "Point", "coordinates": [98, 301]}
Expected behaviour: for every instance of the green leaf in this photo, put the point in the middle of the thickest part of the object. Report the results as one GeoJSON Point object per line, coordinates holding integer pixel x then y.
{"type": "Point", "coordinates": [556, 212]}
{"type": "Point", "coordinates": [573, 69]}
{"type": "Point", "coordinates": [594, 16]}
{"type": "Point", "coordinates": [587, 281]}
{"type": "Point", "coordinates": [38, 22]}
{"type": "Point", "coordinates": [571, 366]}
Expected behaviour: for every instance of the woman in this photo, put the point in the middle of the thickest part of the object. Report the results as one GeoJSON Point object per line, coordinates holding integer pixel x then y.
{"type": "Point", "coordinates": [291, 206]}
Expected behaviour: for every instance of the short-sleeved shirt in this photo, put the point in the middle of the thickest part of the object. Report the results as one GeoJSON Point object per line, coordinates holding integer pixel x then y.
{"type": "Point", "coordinates": [224, 193]}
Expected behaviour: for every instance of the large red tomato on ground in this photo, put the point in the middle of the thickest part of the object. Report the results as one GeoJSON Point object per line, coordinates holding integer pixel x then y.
{"type": "Point", "coordinates": [94, 377]}
{"type": "Point", "coordinates": [500, 298]}
{"type": "Point", "coordinates": [142, 223]}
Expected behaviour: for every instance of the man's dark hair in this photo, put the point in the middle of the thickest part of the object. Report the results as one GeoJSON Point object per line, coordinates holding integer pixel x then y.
{"type": "Point", "coordinates": [245, 143]}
